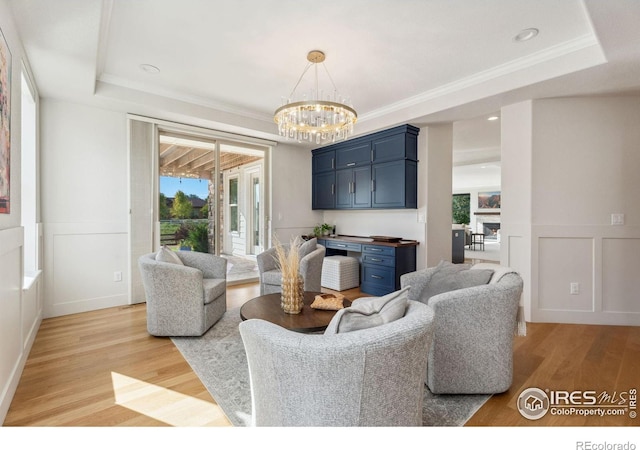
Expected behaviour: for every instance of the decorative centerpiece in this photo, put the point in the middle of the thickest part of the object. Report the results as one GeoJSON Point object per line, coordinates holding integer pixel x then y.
{"type": "Point", "coordinates": [292, 283]}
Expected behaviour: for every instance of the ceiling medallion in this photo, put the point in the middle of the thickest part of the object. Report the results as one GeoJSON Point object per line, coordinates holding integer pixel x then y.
{"type": "Point", "coordinates": [315, 118]}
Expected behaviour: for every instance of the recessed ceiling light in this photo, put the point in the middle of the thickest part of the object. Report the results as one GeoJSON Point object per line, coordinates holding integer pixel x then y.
{"type": "Point", "coordinates": [526, 34]}
{"type": "Point", "coordinates": [149, 68]}
{"type": "Point", "coordinates": [493, 118]}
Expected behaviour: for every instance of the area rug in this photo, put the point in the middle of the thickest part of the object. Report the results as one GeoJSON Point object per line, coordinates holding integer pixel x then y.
{"type": "Point", "coordinates": [219, 360]}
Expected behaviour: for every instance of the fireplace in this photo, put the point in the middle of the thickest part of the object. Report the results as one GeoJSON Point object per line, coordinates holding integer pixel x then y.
{"type": "Point", "coordinates": [491, 230]}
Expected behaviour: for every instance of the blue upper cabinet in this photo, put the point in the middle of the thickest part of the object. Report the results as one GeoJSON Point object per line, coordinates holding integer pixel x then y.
{"type": "Point", "coordinates": [394, 147]}
{"type": "Point", "coordinates": [377, 171]}
{"type": "Point", "coordinates": [324, 161]}
{"type": "Point", "coordinates": [355, 155]}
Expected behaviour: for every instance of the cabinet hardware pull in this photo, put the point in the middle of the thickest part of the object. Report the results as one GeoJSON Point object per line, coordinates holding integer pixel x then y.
{"type": "Point", "coordinates": [376, 260]}
{"type": "Point", "coordinates": [351, 164]}
{"type": "Point", "coordinates": [333, 188]}
{"type": "Point", "coordinates": [341, 245]}
{"type": "Point", "coordinates": [333, 163]}
{"type": "Point", "coordinates": [373, 185]}
{"type": "Point", "coordinates": [376, 277]}
{"type": "Point", "coordinates": [373, 249]}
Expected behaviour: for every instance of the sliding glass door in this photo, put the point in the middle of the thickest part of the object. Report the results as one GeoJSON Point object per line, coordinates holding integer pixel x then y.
{"type": "Point", "coordinates": [210, 194]}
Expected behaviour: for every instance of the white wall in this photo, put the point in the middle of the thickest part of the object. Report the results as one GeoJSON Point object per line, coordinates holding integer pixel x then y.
{"type": "Point", "coordinates": [584, 166]}
{"type": "Point", "coordinates": [290, 174]}
{"type": "Point", "coordinates": [20, 310]}
{"type": "Point", "coordinates": [84, 207]}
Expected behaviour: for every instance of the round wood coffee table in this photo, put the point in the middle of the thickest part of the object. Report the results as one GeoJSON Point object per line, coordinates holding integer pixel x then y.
{"type": "Point", "coordinates": [309, 320]}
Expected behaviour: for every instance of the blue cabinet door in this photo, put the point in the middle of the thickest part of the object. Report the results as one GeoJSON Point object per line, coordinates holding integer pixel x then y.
{"type": "Point", "coordinates": [353, 155]}
{"type": "Point", "coordinates": [353, 188]}
{"type": "Point", "coordinates": [323, 190]}
{"type": "Point", "coordinates": [362, 187]}
{"type": "Point", "coordinates": [323, 161]}
{"type": "Point", "coordinates": [397, 146]}
{"type": "Point", "coordinates": [395, 185]}
{"type": "Point", "coordinates": [344, 182]}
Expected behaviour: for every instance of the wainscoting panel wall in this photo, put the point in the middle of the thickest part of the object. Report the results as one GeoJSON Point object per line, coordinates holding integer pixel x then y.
{"type": "Point", "coordinates": [557, 271]}
{"type": "Point", "coordinates": [602, 260]}
{"type": "Point", "coordinates": [13, 346]}
{"type": "Point", "coordinates": [621, 275]}
{"type": "Point", "coordinates": [82, 266]}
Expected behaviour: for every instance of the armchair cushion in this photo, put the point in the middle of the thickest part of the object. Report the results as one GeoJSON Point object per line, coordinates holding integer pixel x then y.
{"type": "Point", "coordinates": [213, 288]}
{"type": "Point", "coordinates": [369, 312]}
{"type": "Point", "coordinates": [165, 254]}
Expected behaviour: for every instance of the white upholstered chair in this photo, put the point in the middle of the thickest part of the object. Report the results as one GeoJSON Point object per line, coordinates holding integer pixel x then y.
{"type": "Point", "coordinates": [185, 297]}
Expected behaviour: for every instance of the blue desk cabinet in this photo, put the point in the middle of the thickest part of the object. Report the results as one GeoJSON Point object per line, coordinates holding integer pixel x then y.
{"type": "Point", "coordinates": [377, 171]}
{"type": "Point", "coordinates": [381, 265]}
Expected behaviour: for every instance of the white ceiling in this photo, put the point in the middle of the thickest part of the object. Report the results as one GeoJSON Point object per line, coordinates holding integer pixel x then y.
{"type": "Point", "coordinates": [227, 64]}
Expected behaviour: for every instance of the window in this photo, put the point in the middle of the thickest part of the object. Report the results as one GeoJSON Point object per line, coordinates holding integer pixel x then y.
{"type": "Point", "coordinates": [233, 205]}
{"type": "Point", "coordinates": [29, 168]}
{"type": "Point", "coordinates": [460, 209]}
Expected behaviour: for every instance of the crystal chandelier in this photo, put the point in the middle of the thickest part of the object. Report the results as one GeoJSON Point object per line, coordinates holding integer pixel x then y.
{"type": "Point", "coordinates": [315, 118]}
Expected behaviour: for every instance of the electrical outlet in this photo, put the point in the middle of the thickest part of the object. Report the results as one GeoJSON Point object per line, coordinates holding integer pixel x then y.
{"type": "Point", "coordinates": [617, 219]}
{"type": "Point", "coordinates": [574, 288]}
{"type": "Point", "coordinates": [117, 276]}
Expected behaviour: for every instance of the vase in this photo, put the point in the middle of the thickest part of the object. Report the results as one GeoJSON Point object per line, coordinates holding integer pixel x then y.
{"type": "Point", "coordinates": [292, 295]}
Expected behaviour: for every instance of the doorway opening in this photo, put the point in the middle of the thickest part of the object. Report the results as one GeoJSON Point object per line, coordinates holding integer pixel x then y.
{"type": "Point", "coordinates": [209, 199]}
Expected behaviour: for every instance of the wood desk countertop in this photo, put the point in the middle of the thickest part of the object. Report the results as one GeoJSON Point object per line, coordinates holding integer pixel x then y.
{"type": "Point", "coordinates": [369, 240]}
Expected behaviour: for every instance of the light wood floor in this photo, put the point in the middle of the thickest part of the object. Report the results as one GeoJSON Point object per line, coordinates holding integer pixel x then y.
{"type": "Point", "coordinates": [102, 368]}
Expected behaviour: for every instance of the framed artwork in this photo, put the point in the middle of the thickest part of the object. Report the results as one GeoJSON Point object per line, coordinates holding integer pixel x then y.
{"type": "Point", "coordinates": [5, 126]}
{"type": "Point", "coordinates": [488, 200]}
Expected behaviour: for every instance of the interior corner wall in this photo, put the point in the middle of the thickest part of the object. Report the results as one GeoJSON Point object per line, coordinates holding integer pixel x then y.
{"type": "Point", "coordinates": [515, 212]}
{"type": "Point", "coordinates": [583, 168]}
{"type": "Point", "coordinates": [437, 188]}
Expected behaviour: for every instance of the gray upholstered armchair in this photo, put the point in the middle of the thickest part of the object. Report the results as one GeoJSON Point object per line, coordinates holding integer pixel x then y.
{"type": "Point", "coordinates": [368, 377]}
{"type": "Point", "coordinates": [184, 297]}
{"type": "Point", "coordinates": [310, 268]}
{"type": "Point", "coordinates": [474, 327]}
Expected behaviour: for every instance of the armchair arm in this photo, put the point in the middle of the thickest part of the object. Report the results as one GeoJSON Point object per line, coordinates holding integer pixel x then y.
{"type": "Point", "coordinates": [267, 260]}
{"type": "Point", "coordinates": [210, 265]}
{"type": "Point", "coordinates": [311, 269]}
{"type": "Point", "coordinates": [476, 325]}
